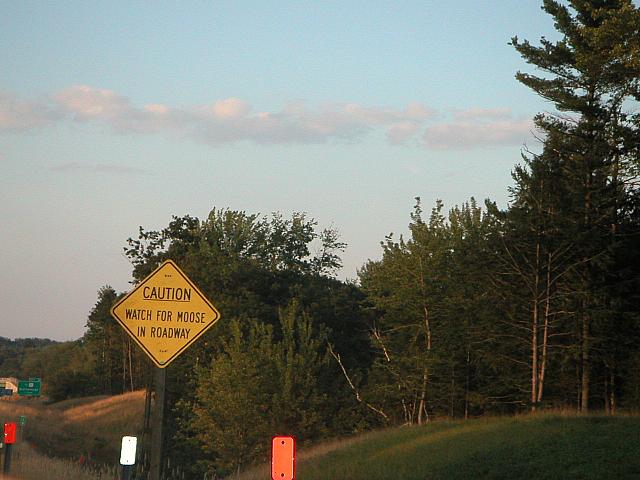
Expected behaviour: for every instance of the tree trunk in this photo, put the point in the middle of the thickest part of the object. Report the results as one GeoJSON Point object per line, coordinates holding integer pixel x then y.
{"type": "Point", "coordinates": [534, 358]}
{"type": "Point", "coordinates": [534, 332]}
{"type": "Point", "coordinates": [422, 406]}
{"type": "Point", "coordinates": [607, 410]}
{"type": "Point", "coordinates": [585, 360]}
{"type": "Point", "coordinates": [612, 396]}
{"type": "Point", "coordinates": [466, 387]}
{"type": "Point", "coordinates": [545, 333]}
{"type": "Point", "coordinates": [585, 364]}
{"type": "Point", "coordinates": [453, 392]}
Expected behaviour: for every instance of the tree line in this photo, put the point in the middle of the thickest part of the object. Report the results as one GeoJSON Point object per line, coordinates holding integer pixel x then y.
{"type": "Point", "coordinates": [477, 310]}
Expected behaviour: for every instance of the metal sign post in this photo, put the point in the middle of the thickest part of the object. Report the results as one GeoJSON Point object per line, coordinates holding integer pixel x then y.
{"type": "Point", "coordinates": [155, 470]}
{"type": "Point", "coordinates": [21, 425]}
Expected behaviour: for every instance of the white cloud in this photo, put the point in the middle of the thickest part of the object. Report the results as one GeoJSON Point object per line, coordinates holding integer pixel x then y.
{"type": "Point", "coordinates": [402, 132]}
{"type": "Point", "coordinates": [235, 120]}
{"type": "Point", "coordinates": [471, 135]}
{"type": "Point", "coordinates": [98, 168]}
{"type": "Point", "coordinates": [156, 108]}
{"type": "Point", "coordinates": [84, 102]}
{"type": "Point", "coordinates": [418, 111]}
{"type": "Point", "coordinates": [19, 115]}
{"type": "Point", "coordinates": [231, 108]}
{"type": "Point", "coordinates": [475, 114]}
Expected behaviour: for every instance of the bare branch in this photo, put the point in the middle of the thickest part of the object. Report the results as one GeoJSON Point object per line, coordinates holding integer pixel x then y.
{"type": "Point", "coordinates": [353, 387]}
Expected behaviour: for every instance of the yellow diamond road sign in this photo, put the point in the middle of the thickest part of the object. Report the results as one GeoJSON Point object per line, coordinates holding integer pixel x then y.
{"type": "Point", "coordinates": [165, 313]}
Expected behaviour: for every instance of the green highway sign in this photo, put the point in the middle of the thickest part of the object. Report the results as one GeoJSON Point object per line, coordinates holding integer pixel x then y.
{"type": "Point", "coordinates": [29, 388]}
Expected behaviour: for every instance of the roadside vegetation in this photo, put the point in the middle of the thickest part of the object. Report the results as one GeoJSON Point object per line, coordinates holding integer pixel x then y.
{"type": "Point", "coordinates": [549, 445]}
{"type": "Point", "coordinates": [477, 311]}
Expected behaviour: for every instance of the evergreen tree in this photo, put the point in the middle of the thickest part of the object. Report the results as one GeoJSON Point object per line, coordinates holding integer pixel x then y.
{"type": "Point", "coordinates": [592, 75]}
{"type": "Point", "coordinates": [537, 257]}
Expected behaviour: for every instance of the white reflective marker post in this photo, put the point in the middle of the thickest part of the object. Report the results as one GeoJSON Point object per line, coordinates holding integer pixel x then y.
{"type": "Point", "coordinates": [128, 456]}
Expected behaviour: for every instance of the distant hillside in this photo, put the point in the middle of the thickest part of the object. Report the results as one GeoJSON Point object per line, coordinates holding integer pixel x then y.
{"type": "Point", "coordinates": [13, 354]}
{"type": "Point", "coordinates": [540, 447]}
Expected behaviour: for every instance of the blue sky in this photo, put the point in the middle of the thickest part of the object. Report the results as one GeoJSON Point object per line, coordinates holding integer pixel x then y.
{"type": "Point", "coordinates": [120, 114]}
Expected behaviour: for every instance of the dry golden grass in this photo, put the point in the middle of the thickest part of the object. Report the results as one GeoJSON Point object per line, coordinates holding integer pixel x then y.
{"type": "Point", "coordinates": [117, 412]}
{"type": "Point", "coordinates": [29, 465]}
{"type": "Point", "coordinates": [13, 406]}
{"type": "Point", "coordinates": [91, 427]}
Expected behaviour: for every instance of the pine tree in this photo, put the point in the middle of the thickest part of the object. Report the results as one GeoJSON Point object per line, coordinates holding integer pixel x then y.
{"type": "Point", "coordinates": [592, 75]}
{"type": "Point", "coordinates": [536, 258]}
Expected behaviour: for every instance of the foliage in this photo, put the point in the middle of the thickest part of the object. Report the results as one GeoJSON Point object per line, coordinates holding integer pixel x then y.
{"type": "Point", "coordinates": [430, 304]}
{"type": "Point", "coordinates": [117, 362]}
{"type": "Point", "coordinates": [259, 272]}
{"type": "Point", "coordinates": [274, 244]}
{"type": "Point", "coordinates": [258, 386]}
{"type": "Point", "coordinates": [15, 353]}
{"type": "Point", "coordinates": [592, 75]}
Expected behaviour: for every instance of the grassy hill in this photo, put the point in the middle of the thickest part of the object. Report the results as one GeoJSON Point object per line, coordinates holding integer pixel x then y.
{"type": "Point", "coordinates": [544, 446]}
{"type": "Point", "coordinates": [88, 426]}
{"type": "Point", "coordinates": [540, 447]}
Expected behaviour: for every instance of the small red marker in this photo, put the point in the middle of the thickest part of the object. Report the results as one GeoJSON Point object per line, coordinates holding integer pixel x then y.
{"type": "Point", "coordinates": [9, 439]}
{"type": "Point", "coordinates": [9, 433]}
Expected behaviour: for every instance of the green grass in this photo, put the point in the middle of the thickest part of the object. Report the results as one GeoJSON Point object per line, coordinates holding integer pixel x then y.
{"type": "Point", "coordinates": [540, 447]}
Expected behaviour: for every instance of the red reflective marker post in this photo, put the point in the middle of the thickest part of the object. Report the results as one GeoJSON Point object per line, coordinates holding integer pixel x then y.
{"type": "Point", "coordinates": [10, 430]}
{"type": "Point", "coordinates": [283, 458]}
